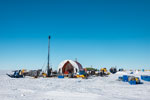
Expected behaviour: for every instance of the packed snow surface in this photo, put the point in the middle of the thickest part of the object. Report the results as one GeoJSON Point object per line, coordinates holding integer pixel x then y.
{"type": "Point", "coordinates": [95, 88]}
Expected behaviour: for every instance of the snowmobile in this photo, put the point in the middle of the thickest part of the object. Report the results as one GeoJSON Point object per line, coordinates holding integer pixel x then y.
{"type": "Point", "coordinates": [103, 72]}
{"type": "Point", "coordinates": [82, 74]}
{"type": "Point", "coordinates": [17, 74]}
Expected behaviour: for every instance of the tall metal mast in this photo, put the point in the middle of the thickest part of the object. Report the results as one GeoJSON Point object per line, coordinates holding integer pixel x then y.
{"type": "Point", "coordinates": [48, 64]}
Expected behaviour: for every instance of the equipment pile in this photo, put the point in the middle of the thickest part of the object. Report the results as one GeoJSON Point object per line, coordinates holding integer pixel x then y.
{"type": "Point", "coordinates": [130, 79]}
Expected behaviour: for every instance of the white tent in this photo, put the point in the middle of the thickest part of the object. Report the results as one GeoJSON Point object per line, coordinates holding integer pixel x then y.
{"type": "Point", "coordinates": [69, 66]}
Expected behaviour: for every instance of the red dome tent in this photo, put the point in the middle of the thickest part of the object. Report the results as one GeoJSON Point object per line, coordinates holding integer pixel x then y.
{"type": "Point", "coordinates": [69, 66]}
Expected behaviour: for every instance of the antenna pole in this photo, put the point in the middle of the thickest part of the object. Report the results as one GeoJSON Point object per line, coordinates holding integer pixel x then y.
{"type": "Point", "coordinates": [48, 64]}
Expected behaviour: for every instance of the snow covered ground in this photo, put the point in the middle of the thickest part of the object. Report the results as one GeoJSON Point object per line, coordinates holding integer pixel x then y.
{"type": "Point", "coordinates": [96, 88]}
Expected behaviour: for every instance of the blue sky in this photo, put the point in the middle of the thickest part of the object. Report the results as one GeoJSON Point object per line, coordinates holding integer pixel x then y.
{"type": "Point", "coordinates": [101, 33]}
